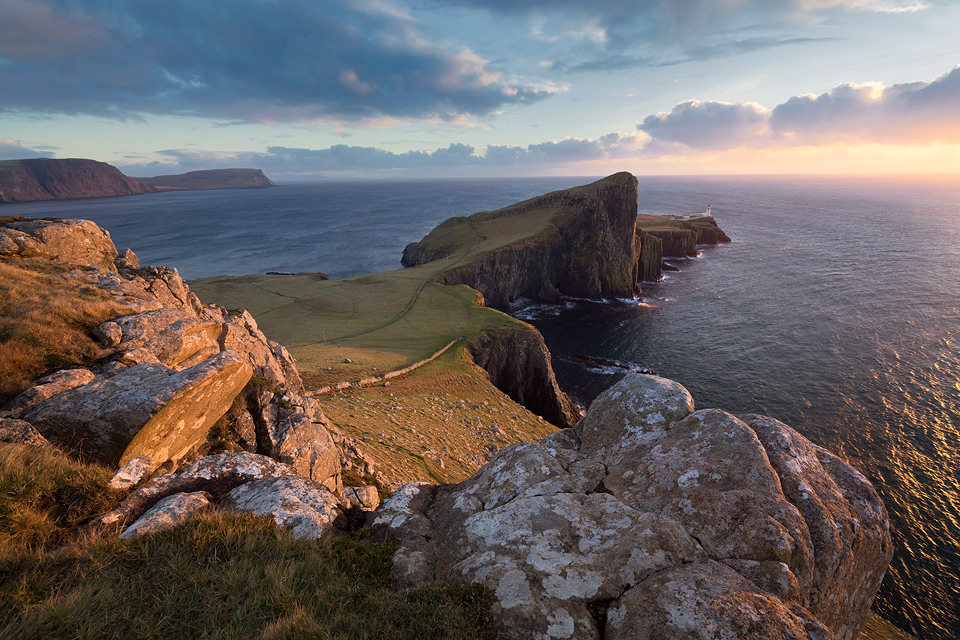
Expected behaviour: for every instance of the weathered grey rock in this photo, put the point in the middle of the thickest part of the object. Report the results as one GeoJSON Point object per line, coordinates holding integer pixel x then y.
{"type": "Point", "coordinates": [174, 337]}
{"type": "Point", "coordinates": [633, 411]}
{"type": "Point", "coordinates": [704, 601]}
{"type": "Point", "coordinates": [305, 507]}
{"type": "Point", "coordinates": [127, 260]}
{"type": "Point", "coordinates": [47, 387]}
{"type": "Point", "coordinates": [131, 473]}
{"type": "Point", "coordinates": [147, 409]}
{"type": "Point", "coordinates": [20, 432]}
{"type": "Point", "coordinates": [168, 513]}
{"type": "Point", "coordinates": [845, 519]}
{"type": "Point", "coordinates": [653, 521]}
{"type": "Point", "coordinates": [108, 333]}
{"type": "Point", "coordinates": [217, 474]}
{"type": "Point", "coordinates": [270, 360]}
{"type": "Point", "coordinates": [246, 430]}
{"type": "Point", "coordinates": [366, 497]}
{"type": "Point", "coordinates": [296, 433]}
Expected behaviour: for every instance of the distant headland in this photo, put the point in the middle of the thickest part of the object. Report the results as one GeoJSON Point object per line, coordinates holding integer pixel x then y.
{"type": "Point", "coordinates": [34, 179]}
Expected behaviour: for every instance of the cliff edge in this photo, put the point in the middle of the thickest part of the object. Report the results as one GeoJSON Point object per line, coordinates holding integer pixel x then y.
{"type": "Point", "coordinates": [212, 179]}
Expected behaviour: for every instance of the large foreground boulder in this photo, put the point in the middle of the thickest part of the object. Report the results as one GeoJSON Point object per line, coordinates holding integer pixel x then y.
{"type": "Point", "coordinates": [148, 409]}
{"type": "Point", "coordinates": [652, 520]}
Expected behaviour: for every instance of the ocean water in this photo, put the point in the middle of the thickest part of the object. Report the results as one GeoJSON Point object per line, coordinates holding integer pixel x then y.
{"type": "Point", "coordinates": [836, 309]}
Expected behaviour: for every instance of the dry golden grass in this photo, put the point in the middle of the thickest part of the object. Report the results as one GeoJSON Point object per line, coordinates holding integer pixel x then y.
{"type": "Point", "coordinates": [45, 496]}
{"type": "Point", "coordinates": [46, 314]}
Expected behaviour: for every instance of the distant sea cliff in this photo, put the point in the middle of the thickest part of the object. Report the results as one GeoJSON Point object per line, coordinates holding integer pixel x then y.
{"type": "Point", "coordinates": [60, 179]}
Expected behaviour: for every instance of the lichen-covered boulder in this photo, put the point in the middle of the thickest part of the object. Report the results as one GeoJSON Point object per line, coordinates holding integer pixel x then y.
{"type": "Point", "coordinates": [650, 520]}
{"type": "Point", "coordinates": [216, 475]}
{"type": "Point", "coordinates": [168, 513]}
{"type": "Point", "coordinates": [305, 507]}
{"type": "Point", "coordinates": [131, 473]}
{"type": "Point", "coordinates": [147, 409]}
{"type": "Point", "coordinates": [365, 497]}
{"type": "Point", "coordinates": [20, 432]}
{"type": "Point", "coordinates": [47, 387]}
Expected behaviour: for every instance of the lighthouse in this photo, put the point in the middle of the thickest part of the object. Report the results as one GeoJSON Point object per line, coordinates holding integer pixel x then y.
{"type": "Point", "coordinates": [709, 210]}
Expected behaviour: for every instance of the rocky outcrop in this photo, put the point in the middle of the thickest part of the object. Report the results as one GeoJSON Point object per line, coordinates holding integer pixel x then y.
{"type": "Point", "coordinates": [20, 432]}
{"type": "Point", "coordinates": [132, 472]}
{"type": "Point", "coordinates": [212, 179]}
{"type": "Point", "coordinates": [73, 242]}
{"type": "Point", "coordinates": [586, 251]}
{"type": "Point", "coordinates": [652, 520]}
{"type": "Point", "coordinates": [49, 179]}
{"type": "Point", "coordinates": [169, 371]}
{"type": "Point", "coordinates": [240, 482]}
{"type": "Point", "coordinates": [168, 513]}
{"type": "Point", "coordinates": [146, 409]}
{"type": "Point", "coordinates": [518, 363]}
{"type": "Point", "coordinates": [305, 507]}
{"type": "Point", "coordinates": [216, 475]}
{"type": "Point", "coordinates": [680, 237]}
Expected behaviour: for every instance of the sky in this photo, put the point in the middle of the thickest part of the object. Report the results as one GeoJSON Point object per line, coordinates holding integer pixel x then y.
{"type": "Point", "coordinates": [346, 89]}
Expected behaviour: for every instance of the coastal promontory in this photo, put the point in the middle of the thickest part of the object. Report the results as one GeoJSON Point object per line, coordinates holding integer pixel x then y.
{"type": "Point", "coordinates": [53, 179]}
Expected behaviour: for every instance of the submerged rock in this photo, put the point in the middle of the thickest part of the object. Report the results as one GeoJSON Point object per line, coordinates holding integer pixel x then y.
{"type": "Point", "coordinates": [653, 520]}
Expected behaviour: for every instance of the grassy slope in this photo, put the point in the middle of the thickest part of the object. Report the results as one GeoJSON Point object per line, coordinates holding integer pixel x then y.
{"type": "Point", "coordinates": [46, 314]}
{"type": "Point", "coordinates": [218, 576]}
{"type": "Point", "coordinates": [447, 410]}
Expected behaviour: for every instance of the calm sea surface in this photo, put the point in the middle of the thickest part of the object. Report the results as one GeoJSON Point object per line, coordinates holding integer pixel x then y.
{"type": "Point", "coordinates": [836, 309]}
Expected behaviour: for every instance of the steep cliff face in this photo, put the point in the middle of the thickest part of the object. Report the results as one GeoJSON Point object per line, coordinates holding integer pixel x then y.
{"type": "Point", "coordinates": [680, 237]}
{"type": "Point", "coordinates": [213, 179]}
{"type": "Point", "coordinates": [649, 257]}
{"type": "Point", "coordinates": [583, 246]}
{"type": "Point", "coordinates": [518, 363]}
{"type": "Point", "coordinates": [49, 179]}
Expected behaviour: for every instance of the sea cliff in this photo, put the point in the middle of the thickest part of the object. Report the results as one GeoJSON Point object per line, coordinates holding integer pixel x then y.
{"type": "Point", "coordinates": [212, 179]}
{"type": "Point", "coordinates": [49, 179]}
{"type": "Point", "coordinates": [576, 242]}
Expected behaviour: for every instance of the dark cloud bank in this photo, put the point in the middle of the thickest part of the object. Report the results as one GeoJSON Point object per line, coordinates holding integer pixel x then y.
{"type": "Point", "coordinates": [249, 60]}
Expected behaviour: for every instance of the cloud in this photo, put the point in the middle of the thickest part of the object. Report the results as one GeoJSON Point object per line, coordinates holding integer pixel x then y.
{"type": "Point", "coordinates": [11, 149]}
{"type": "Point", "coordinates": [592, 35]}
{"type": "Point", "coordinates": [911, 113]}
{"type": "Point", "coordinates": [245, 60]}
{"type": "Point", "coordinates": [290, 163]}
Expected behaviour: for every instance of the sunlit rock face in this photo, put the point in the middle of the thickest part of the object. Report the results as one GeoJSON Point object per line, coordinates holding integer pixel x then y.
{"type": "Point", "coordinates": [167, 371]}
{"type": "Point", "coordinates": [652, 520]}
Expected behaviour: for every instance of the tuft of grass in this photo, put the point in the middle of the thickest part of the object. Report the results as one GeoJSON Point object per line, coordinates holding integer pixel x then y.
{"type": "Point", "coordinates": [45, 496]}
{"type": "Point", "coordinates": [46, 314]}
{"type": "Point", "coordinates": [225, 575]}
